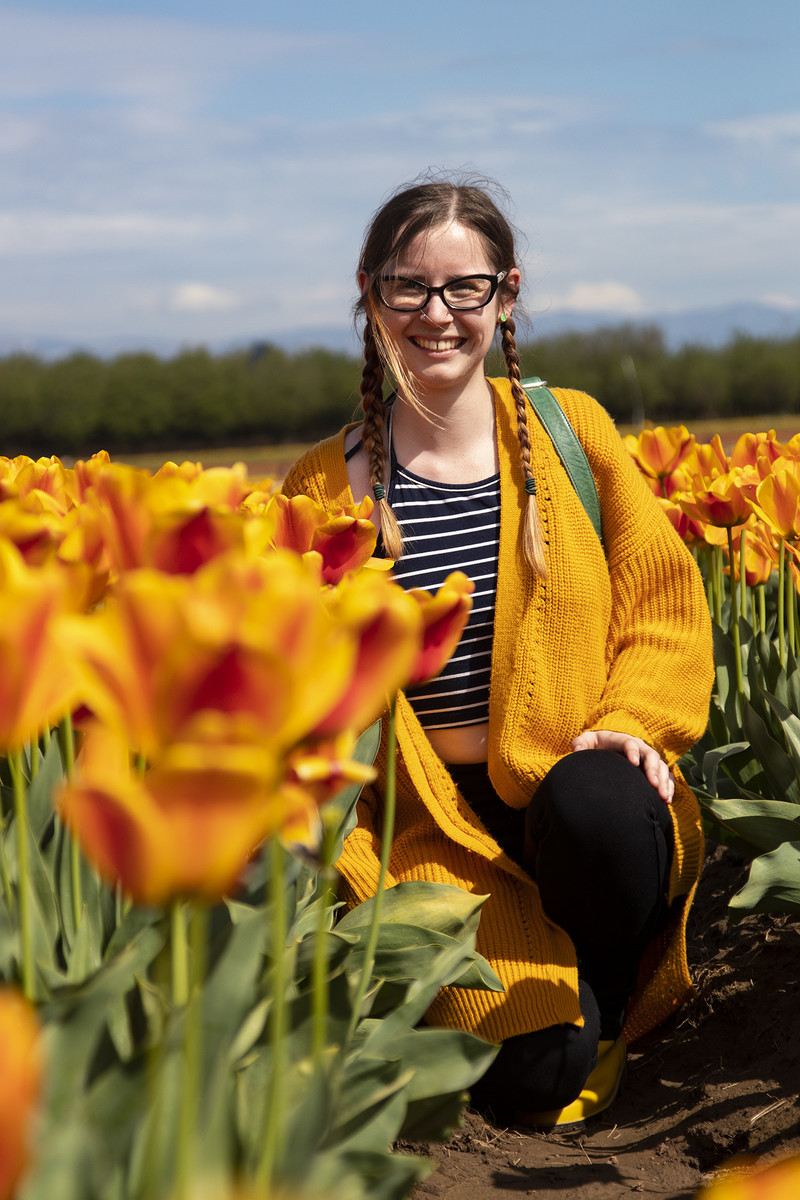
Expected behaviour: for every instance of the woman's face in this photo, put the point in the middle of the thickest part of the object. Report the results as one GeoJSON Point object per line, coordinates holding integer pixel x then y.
{"type": "Point", "coordinates": [442, 348]}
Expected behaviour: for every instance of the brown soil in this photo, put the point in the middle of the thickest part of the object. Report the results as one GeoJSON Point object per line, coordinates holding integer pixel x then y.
{"type": "Point", "coordinates": [719, 1081]}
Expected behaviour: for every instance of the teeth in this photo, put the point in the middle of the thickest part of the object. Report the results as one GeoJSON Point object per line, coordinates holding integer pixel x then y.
{"type": "Point", "coordinates": [441, 344]}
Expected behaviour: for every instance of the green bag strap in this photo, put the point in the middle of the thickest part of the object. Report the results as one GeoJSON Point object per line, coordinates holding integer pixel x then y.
{"type": "Point", "coordinates": [568, 447]}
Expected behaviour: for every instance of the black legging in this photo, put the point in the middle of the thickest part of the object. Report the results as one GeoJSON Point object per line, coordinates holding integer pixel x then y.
{"type": "Point", "coordinates": [598, 840]}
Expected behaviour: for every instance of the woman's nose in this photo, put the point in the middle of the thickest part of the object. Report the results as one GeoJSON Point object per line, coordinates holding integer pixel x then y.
{"type": "Point", "coordinates": [436, 311]}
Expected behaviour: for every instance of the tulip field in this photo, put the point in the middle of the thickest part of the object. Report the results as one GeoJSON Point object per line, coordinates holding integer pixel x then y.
{"type": "Point", "coordinates": [194, 675]}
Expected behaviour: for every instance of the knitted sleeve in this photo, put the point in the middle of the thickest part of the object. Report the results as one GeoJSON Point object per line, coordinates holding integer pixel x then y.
{"type": "Point", "coordinates": [659, 653]}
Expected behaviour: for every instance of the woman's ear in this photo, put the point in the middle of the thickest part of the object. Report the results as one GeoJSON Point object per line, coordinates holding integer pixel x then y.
{"type": "Point", "coordinates": [362, 280]}
{"type": "Point", "coordinates": [510, 286]}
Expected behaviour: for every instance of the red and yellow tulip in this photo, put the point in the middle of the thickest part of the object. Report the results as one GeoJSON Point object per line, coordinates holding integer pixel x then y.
{"type": "Point", "coordinates": [185, 827]}
{"type": "Point", "coordinates": [659, 451]}
{"type": "Point", "coordinates": [778, 1180]}
{"type": "Point", "coordinates": [344, 540]}
{"type": "Point", "coordinates": [777, 500]}
{"type": "Point", "coordinates": [38, 680]}
{"type": "Point", "coordinates": [22, 1059]}
{"type": "Point", "coordinates": [443, 619]}
{"type": "Point", "coordinates": [722, 501]}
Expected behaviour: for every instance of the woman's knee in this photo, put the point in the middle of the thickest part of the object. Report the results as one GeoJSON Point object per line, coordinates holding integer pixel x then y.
{"type": "Point", "coordinates": [587, 792]}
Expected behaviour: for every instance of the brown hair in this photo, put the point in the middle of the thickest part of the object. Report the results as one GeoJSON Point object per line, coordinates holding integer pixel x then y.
{"type": "Point", "coordinates": [408, 213]}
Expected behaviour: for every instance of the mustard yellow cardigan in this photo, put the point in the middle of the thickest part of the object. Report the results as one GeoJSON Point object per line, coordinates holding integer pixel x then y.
{"type": "Point", "coordinates": [617, 640]}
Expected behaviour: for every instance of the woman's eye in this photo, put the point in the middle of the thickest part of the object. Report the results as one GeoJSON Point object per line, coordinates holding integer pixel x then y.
{"type": "Point", "coordinates": [467, 289]}
{"type": "Point", "coordinates": [403, 289]}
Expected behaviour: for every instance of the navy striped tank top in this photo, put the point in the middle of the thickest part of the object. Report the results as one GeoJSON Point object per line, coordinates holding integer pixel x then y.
{"type": "Point", "coordinates": [451, 527]}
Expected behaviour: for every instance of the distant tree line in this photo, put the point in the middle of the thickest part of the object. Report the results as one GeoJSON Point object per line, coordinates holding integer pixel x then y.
{"type": "Point", "coordinates": [139, 402]}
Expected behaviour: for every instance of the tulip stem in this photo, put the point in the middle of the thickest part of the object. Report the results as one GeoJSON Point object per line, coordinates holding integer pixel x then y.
{"type": "Point", "coordinates": [26, 944]}
{"type": "Point", "coordinates": [7, 892]}
{"type": "Point", "coordinates": [781, 602]}
{"type": "Point", "coordinates": [714, 574]}
{"type": "Point", "coordinates": [319, 978]}
{"type": "Point", "coordinates": [762, 607]}
{"type": "Point", "coordinates": [67, 743]}
{"type": "Point", "coordinates": [734, 625]}
{"type": "Point", "coordinates": [790, 610]}
{"type": "Point", "coordinates": [387, 834]}
{"type": "Point", "coordinates": [274, 1110]}
{"type": "Point", "coordinates": [180, 955]}
{"type": "Point", "coordinates": [192, 1048]}
{"type": "Point", "coordinates": [742, 574]}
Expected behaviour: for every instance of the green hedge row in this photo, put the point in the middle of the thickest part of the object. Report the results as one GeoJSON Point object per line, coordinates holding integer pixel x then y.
{"type": "Point", "coordinates": [138, 402]}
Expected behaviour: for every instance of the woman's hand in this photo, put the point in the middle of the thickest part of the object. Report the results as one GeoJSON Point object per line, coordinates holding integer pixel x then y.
{"type": "Point", "coordinates": [636, 751]}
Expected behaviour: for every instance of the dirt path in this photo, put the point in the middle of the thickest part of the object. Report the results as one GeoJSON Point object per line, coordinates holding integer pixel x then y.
{"type": "Point", "coordinates": [722, 1079]}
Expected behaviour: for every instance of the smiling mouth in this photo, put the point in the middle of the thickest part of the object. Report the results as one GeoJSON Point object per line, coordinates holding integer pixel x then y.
{"type": "Point", "coordinates": [438, 343]}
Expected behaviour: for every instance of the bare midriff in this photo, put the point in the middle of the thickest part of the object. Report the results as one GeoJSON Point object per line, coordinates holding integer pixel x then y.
{"type": "Point", "coordinates": [462, 744]}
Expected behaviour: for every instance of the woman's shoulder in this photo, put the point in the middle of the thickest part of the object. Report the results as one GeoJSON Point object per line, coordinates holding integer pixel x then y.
{"type": "Point", "coordinates": [321, 471]}
{"type": "Point", "coordinates": [594, 426]}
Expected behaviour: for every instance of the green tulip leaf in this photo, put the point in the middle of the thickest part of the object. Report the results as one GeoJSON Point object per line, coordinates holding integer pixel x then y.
{"type": "Point", "coordinates": [307, 1123]}
{"type": "Point", "coordinates": [341, 810]}
{"type": "Point", "coordinates": [773, 884]}
{"type": "Point", "coordinates": [713, 759]}
{"type": "Point", "coordinates": [778, 767]}
{"type": "Point", "coordinates": [437, 906]}
{"type": "Point", "coordinates": [725, 662]}
{"type": "Point", "coordinates": [433, 1118]}
{"type": "Point", "coordinates": [790, 724]}
{"type": "Point", "coordinates": [367, 1174]}
{"type": "Point", "coordinates": [76, 1019]}
{"type": "Point", "coordinates": [438, 1055]}
{"type": "Point", "coordinates": [84, 955]}
{"type": "Point", "coordinates": [49, 775]}
{"type": "Point", "coordinates": [762, 824]}
{"type": "Point", "coordinates": [370, 1105]}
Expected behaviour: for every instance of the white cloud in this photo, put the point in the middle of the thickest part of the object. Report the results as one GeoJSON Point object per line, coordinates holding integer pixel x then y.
{"type": "Point", "coordinates": [765, 129]}
{"type": "Point", "coordinates": [609, 296]}
{"type": "Point", "coordinates": [131, 56]}
{"type": "Point", "coordinates": [17, 133]}
{"type": "Point", "coordinates": [202, 297]}
{"type": "Point", "coordinates": [781, 300]}
{"type": "Point", "coordinates": [38, 234]}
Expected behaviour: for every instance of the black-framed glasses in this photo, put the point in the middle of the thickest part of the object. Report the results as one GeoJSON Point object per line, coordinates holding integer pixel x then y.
{"type": "Point", "coordinates": [462, 295]}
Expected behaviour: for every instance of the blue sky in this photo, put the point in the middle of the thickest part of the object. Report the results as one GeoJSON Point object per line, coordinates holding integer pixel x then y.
{"type": "Point", "coordinates": [197, 172]}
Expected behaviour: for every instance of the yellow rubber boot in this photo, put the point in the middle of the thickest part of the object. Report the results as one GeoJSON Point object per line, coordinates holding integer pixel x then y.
{"type": "Point", "coordinates": [599, 1092]}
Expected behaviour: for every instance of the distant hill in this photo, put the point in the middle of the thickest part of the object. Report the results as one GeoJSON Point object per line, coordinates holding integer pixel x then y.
{"type": "Point", "coordinates": [712, 327]}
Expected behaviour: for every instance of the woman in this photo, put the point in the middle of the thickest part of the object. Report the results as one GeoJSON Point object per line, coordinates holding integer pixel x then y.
{"type": "Point", "coordinates": [540, 769]}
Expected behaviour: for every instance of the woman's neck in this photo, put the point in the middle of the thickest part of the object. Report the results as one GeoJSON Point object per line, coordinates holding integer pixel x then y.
{"type": "Point", "coordinates": [453, 440]}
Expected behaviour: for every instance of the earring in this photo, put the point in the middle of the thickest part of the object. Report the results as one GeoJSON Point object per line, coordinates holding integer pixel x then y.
{"type": "Point", "coordinates": [503, 318]}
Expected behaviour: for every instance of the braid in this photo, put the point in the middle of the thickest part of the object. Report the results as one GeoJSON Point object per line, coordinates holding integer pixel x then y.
{"type": "Point", "coordinates": [374, 409]}
{"type": "Point", "coordinates": [533, 544]}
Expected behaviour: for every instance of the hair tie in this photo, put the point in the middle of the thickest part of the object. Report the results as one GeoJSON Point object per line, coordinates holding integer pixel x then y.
{"type": "Point", "coordinates": [379, 491]}
{"type": "Point", "coordinates": [530, 486]}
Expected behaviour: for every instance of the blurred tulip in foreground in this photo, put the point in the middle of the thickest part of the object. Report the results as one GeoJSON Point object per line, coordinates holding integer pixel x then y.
{"type": "Point", "coordinates": [385, 625]}
{"type": "Point", "coordinates": [21, 1058]}
{"type": "Point", "coordinates": [37, 676]}
{"type": "Point", "coordinates": [443, 617]}
{"type": "Point", "coordinates": [187, 826]}
{"type": "Point", "coordinates": [779, 1180]}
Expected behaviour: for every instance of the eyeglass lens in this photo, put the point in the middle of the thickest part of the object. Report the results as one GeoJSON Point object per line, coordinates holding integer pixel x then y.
{"type": "Point", "coordinates": [473, 291]}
